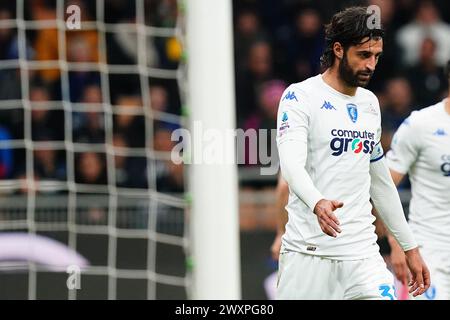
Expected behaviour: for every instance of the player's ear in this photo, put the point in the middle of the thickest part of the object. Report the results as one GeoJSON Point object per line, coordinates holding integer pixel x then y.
{"type": "Point", "coordinates": [338, 50]}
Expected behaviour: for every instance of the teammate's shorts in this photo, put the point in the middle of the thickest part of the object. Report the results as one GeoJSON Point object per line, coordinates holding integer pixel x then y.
{"type": "Point", "coordinates": [308, 277]}
{"type": "Point", "coordinates": [438, 262]}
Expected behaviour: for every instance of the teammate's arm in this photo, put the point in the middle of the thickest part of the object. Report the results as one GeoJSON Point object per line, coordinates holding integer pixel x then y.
{"type": "Point", "coordinates": [282, 195]}
{"type": "Point", "coordinates": [404, 151]}
{"type": "Point", "coordinates": [397, 256]}
{"type": "Point", "coordinates": [387, 202]}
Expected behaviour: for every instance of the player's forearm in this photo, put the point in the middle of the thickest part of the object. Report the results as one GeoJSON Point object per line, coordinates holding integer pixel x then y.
{"type": "Point", "coordinates": [387, 202]}
{"type": "Point", "coordinates": [380, 228]}
{"type": "Point", "coordinates": [282, 195]}
{"type": "Point", "coordinates": [393, 243]}
{"type": "Point", "coordinates": [282, 219]}
{"type": "Point", "coordinates": [292, 160]}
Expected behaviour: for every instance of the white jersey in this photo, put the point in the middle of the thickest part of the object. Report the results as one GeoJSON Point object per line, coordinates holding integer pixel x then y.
{"type": "Point", "coordinates": [343, 134]}
{"type": "Point", "coordinates": [421, 148]}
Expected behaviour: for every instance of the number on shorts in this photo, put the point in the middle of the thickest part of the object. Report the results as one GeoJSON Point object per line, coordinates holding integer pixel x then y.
{"type": "Point", "coordinates": [386, 291]}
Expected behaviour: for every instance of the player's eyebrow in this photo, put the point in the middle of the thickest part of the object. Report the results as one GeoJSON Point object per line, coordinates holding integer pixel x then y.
{"type": "Point", "coordinates": [369, 52]}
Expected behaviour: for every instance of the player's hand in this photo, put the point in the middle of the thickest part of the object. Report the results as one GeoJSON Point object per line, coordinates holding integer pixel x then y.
{"type": "Point", "coordinates": [276, 247]}
{"type": "Point", "coordinates": [398, 262]}
{"type": "Point", "coordinates": [420, 275]}
{"type": "Point", "coordinates": [328, 221]}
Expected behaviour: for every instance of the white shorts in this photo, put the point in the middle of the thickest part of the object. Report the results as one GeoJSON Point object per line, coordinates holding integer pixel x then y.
{"type": "Point", "coordinates": [438, 262]}
{"type": "Point", "coordinates": [308, 277]}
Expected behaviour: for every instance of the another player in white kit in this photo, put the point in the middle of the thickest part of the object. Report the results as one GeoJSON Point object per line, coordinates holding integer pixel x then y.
{"type": "Point", "coordinates": [421, 148]}
{"type": "Point", "coordinates": [328, 137]}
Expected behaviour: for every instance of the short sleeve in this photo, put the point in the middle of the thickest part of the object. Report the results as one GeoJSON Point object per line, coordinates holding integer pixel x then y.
{"type": "Point", "coordinates": [293, 116]}
{"type": "Point", "coordinates": [404, 147]}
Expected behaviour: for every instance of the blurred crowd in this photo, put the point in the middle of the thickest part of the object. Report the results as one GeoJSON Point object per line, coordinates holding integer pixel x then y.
{"type": "Point", "coordinates": [280, 42]}
{"type": "Point", "coordinates": [92, 92]}
{"type": "Point", "coordinates": [275, 43]}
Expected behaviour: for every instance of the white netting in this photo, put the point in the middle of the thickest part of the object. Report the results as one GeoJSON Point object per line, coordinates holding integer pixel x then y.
{"type": "Point", "coordinates": [129, 224]}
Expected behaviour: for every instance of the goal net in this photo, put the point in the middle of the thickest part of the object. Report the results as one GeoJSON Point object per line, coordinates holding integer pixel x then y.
{"type": "Point", "coordinates": [86, 117]}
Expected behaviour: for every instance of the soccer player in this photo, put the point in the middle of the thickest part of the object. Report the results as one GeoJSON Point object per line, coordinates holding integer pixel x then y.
{"type": "Point", "coordinates": [421, 148]}
{"type": "Point", "coordinates": [328, 137]}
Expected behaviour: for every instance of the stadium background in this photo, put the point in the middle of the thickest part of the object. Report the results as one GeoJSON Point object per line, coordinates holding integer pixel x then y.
{"type": "Point", "coordinates": [62, 126]}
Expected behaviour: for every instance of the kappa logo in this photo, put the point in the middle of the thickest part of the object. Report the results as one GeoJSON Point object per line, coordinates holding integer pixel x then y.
{"type": "Point", "coordinates": [440, 132]}
{"type": "Point", "coordinates": [290, 96]}
{"type": "Point", "coordinates": [371, 109]}
{"type": "Point", "coordinates": [328, 106]}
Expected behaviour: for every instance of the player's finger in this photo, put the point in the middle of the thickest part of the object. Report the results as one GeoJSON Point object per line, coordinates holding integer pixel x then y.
{"type": "Point", "coordinates": [326, 229]}
{"type": "Point", "coordinates": [409, 276]}
{"type": "Point", "coordinates": [417, 288]}
{"type": "Point", "coordinates": [413, 287]}
{"type": "Point", "coordinates": [419, 279]}
{"type": "Point", "coordinates": [420, 290]}
{"type": "Point", "coordinates": [333, 225]}
{"type": "Point", "coordinates": [334, 218]}
{"type": "Point", "coordinates": [426, 278]}
{"type": "Point", "coordinates": [412, 284]}
{"type": "Point", "coordinates": [329, 231]}
{"type": "Point", "coordinates": [330, 222]}
{"type": "Point", "coordinates": [337, 204]}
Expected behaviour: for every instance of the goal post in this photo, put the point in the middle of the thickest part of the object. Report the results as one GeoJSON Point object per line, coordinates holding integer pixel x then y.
{"type": "Point", "coordinates": [111, 194]}
{"type": "Point", "coordinates": [214, 187]}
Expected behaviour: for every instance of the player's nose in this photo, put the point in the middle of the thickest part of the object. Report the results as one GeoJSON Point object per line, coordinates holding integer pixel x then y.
{"type": "Point", "coordinates": [371, 63]}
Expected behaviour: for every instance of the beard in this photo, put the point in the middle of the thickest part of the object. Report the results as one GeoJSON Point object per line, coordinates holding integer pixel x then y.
{"type": "Point", "coordinates": [351, 78]}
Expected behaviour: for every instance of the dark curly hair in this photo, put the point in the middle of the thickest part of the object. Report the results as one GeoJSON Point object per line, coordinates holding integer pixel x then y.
{"type": "Point", "coordinates": [348, 27]}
